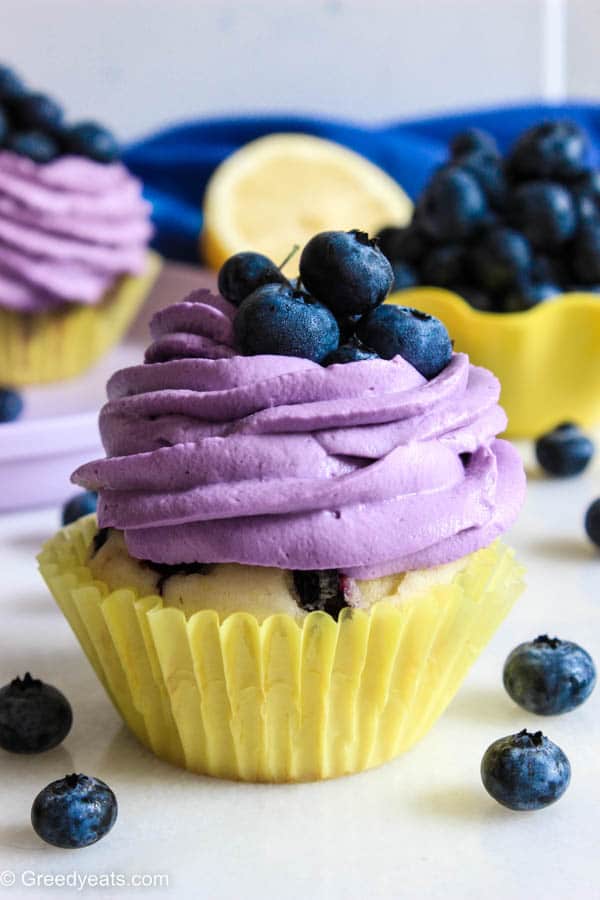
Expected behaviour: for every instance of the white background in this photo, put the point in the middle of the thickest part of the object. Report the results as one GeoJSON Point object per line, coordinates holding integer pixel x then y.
{"type": "Point", "coordinates": [139, 64]}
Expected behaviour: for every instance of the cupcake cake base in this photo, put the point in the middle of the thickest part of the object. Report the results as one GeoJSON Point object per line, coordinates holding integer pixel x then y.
{"type": "Point", "coordinates": [281, 700]}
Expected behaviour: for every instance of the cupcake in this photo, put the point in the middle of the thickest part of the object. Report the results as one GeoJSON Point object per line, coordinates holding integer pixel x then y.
{"type": "Point", "coordinates": [74, 232]}
{"type": "Point", "coordinates": [297, 555]}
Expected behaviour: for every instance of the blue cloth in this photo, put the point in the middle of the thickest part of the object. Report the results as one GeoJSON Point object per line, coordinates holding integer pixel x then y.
{"type": "Point", "coordinates": [176, 163]}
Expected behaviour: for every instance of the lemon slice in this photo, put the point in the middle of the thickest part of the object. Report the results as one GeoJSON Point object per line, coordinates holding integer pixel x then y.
{"type": "Point", "coordinates": [282, 189]}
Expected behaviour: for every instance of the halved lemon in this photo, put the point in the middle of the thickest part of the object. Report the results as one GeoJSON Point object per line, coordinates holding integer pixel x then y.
{"type": "Point", "coordinates": [282, 189]}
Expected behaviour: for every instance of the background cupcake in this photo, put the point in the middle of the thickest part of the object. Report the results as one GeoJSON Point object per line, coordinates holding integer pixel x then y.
{"type": "Point", "coordinates": [298, 558]}
{"type": "Point", "coordinates": [74, 230]}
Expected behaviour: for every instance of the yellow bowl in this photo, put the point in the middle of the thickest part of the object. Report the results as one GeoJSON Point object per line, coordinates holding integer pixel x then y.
{"type": "Point", "coordinates": [547, 359]}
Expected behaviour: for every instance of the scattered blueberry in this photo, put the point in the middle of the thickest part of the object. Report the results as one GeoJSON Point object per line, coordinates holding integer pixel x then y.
{"type": "Point", "coordinates": [592, 522]}
{"type": "Point", "coordinates": [544, 212]}
{"type": "Point", "coordinates": [585, 257]}
{"type": "Point", "coordinates": [419, 338]}
{"type": "Point", "coordinates": [548, 676]}
{"type": "Point", "coordinates": [11, 405]}
{"type": "Point", "coordinates": [565, 451]}
{"type": "Point", "coordinates": [92, 140]}
{"type": "Point", "coordinates": [39, 147]}
{"type": "Point", "coordinates": [352, 351]}
{"type": "Point", "coordinates": [34, 717]}
{"type": "Point", "coordinates": [74, 812]}
{"type": "Point", "coordinates": [326, 590]}
{"type": "Point", "coordinates": [554, 149]}
{"type": "Point", "coordinates": [525, 771]}
{"type": "Point", "coordinates": [473, 139]}
{"type": "Point", "coordinates": [500, 260]}
{"type": "Point", "coordinates": [276, 319]}
{"type": "Point", "coordinates": [405, 276]}
{"type": "Point", "coordinates": [443, 266]}
{"type": "Point", "coordinates": [244, 272]}
{"type": "Point", "coordinates": [78, 506]}
{"type": "Point", "coordinates": [346, 271]}
{"type": "Point", "coordinates": [38, 112]}
{"type": "Point", "coordinates": [452, 205]}
{"type": "Point", "coordinates": [11, 86]}
{"type": "Point", "coordinates": [407, 244]}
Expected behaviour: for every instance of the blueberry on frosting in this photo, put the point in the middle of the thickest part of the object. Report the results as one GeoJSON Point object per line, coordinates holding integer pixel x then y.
{"type": "Point", "coordinates": [419, 338]}
{"type": "Point", "coordinates": [244, 272]}
{"type": "Point", "coordinates": [277, 319]}
{"type": "Point", "coordinates": [346, 271]}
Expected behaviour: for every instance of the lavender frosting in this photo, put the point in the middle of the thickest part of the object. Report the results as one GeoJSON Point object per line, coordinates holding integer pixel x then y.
{"type": "Point", "coordinates": [276, 461]}
{"type": "Point", "coordinates": [68, 229]}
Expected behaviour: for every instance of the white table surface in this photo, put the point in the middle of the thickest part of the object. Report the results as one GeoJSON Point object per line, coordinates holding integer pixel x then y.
{"type": "Point", "coordinates": [420, 827]}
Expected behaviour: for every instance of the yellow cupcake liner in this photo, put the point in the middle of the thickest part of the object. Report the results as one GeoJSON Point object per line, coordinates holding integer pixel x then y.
{"type": "Point", "coordinates": [547, 359]}
{"type": "Point", "coordinates": [36, 348]}
{"type": "Point", "coordinates": [280, 701]}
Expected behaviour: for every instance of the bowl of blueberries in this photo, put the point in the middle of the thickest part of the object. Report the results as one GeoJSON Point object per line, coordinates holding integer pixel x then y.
{"type": "Point", "coordinates": [505, 250]}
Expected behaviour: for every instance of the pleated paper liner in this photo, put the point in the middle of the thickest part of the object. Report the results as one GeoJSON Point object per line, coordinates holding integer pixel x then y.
{"type": "Point", "coordinates": [280, 701]}
{"type": "Point", "coordinates": [36, 348]}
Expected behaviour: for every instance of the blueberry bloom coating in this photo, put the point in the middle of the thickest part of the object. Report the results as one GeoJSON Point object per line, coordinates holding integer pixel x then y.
{"type": "Point", "coordinates": [346, 271]}
{"type": "Point", "coordinates": [278, 320]}
{"type": "Point", "coordinates": [74, 812]}
{"type": "Point", "coordinates": [416, 336]}
{"type": "Point", "coordinates": [525, 771]}
{"type": "Point", "coordinates": [548, 676]}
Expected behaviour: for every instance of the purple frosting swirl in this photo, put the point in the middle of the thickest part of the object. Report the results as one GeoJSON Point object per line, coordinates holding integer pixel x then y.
{"type": "Point", "coordinates": [276, 461]}
{"type": "Point", "coordinates": [68, 229]}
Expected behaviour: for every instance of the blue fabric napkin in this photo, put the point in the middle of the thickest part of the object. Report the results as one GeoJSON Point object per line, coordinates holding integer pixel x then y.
{"type": "Point", "coordinates": [176, 163]}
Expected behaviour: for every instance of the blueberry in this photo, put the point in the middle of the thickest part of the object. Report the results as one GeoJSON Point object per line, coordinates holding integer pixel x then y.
{"type": "Point", "coordinates": [326, 590]}
{"type": "Point", "coordinates": [38, 112]}
{"type": "Point", "coordinates": [452, 205]}
{"type": "Point", "coordinates": [404, 276]}
{"type": "Point", "coordinates": [548, 676]}
{"type": "Point", "coordinates": [592, 522]}
{"type": "Point", "coordinates": [276, 319]}
{"type": "Point", "coordinates": [11, 86]}
{"type": "Point", "coordinates": [564, 451]}
{"type": "Point", "coordinates": [34, 717]}
{"type": "Point", "coordinates": [544, 211]}
{"type": "Point", "coordinates": [244, 272]}
{"type": "Point", "coordinates": [585, 255]}
{"type": "Point", "coordinates": [407, 244]}
{"type": "Point", "coordinates": [525, 771]}
{"type": "Point", "coordinates": [528, 295]}
{"type": "Point", "coordinates": [444, 265]}
{"type": "Point", "coordinates": [553, 149]}
{"type": "Point", "coordinates": [92, 140]}
{"type": "Point", "coordinates": [473, 139]}
{"type": "Point", "coordinates": [78, 506]}
{"type": "Point", "coordinates": [487, 170]}
{"type": "Point", "coordinates": [74, 812]}
{"type": "Point", "coordinates": [352, 351]}
{"type": "Point", "coordinates": [39, 147]}
{"type": "Point", "coordinates": [500, 260]}
{"type": "Point", "coordinates": [419, 338]}
{"type": "Point", "coordinates": [11, 405]}
{"type": "Point", "coordinates": [346, 271]}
